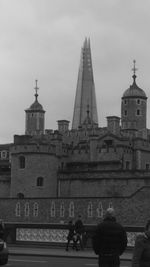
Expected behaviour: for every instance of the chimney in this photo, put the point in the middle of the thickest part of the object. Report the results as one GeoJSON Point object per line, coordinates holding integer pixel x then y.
{"type": "Point", "coordinates": [113, 124]}
{"type": "Point", "coordinates": [63, 126]}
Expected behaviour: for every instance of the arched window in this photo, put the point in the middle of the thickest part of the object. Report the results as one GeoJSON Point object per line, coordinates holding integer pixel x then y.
{"type": "Point", "coordinates": [18, 210]}
{"type": "Point", "coordinates": [53, 209]}
{"type": "Point", "coordinates": [90, 209]}
{"type": "Point", "coordinates": [35, 209]}
{"type": "Point", "coordinates": [100, 210]}
{"type": "Point", "coordinates": [20, 195]}
{"type": "Point", "coordinates": [40, 181]}
{"type": "Point", "coordinates": [62, 210]}
{"type": "Point", "coordinates": [26, 209]}
{"type": "Point", "coordinates": [71, 209]}
{"type": "Point", "coordinates": [22, 162]}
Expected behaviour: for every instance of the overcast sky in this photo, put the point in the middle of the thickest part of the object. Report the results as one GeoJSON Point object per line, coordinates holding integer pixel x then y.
{"type": "Point", "coordinates": [42, 39]}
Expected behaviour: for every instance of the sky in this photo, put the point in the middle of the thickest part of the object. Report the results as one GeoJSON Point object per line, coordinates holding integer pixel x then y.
{"type": "Point", "coordinates": [42, 39]}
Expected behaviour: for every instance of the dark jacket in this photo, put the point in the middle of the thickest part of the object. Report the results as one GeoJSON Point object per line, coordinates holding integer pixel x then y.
{"type": "Point", "coordinates": [71, 232]}
{"type": "Point", "coordinates": [109, 239]}
{"type": "Point", "coordinates": [79, 227]}
{"type": "Point", "coordinates": [141, 253]}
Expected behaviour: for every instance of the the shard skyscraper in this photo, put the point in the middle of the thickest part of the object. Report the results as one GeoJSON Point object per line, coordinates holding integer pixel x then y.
{"type": "Point", "coordinates": [85, 100]}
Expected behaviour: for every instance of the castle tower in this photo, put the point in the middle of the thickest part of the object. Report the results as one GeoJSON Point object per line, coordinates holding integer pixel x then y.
{"type": "Point", "coordinates": [85, 92]}
{"type": "Point", "coordinates": [133, 107]}
{"type": "Point", "coordinates": [35, 117]}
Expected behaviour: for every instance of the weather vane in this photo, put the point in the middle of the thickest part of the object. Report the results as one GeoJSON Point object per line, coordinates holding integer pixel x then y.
{"type": "Point", "coordinates": [36, 89]}
{"type": "Point", "coordinates": [134, 69]}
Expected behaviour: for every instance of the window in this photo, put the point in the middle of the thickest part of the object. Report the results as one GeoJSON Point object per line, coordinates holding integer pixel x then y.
{"type": "Point", "coordinates": [125, 112]}
{"type": "Point", "coordinates": [125, 101]}
{"type": "Point", "coordinates": [18, 210]}
{"type": "Point", "coordinates": [3, 154]}
{"type": "Point", "coordinates": [90, 209]}
{"type": "Point", "coordinates": [26, 209]}
{"type": "Point", "coordinates": [71, 209]}
{"type": "Point", "coordinates": [40, 181]}
{"type": "Point", "coordinates": [108, 142]}
{"type": "Point", "coordinates": [35, 209]}
{"type": "Point", "coordinates": [138, 101]}
{"type": "Point", "coordinates": [20, 195]}
{"type": "Point", "coordinates": [62, 210]}
{"type": "Point", "coordinates": [138, 112]}
{"type": "Point", "coordinates": [22, 162]}
{"type": "Point", "coordinates": [53, 209]}
{"type": "Point", "coordinates": [100, 210]}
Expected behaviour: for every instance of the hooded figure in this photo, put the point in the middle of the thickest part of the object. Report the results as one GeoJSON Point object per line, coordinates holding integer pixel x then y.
{"type": "Point", "coordinates": [109, 240]}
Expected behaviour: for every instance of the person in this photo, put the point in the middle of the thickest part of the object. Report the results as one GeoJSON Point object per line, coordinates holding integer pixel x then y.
{"type": "Point", "coordinates": [71, 236]}
{"type": "Point", "coordinates": [141, 252]}
{"type": "Point", "coordinates": [79, 229]}
{"type": "Point", "coordinates": [2, 229]}
{"type": "Point", "coordinates": [109, 240]}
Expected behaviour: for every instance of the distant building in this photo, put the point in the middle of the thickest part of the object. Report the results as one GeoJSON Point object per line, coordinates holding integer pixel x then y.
{"type": "Point", "coordinates": [86, 161]}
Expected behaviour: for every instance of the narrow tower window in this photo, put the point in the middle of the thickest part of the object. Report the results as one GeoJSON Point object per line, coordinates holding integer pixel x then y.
{"type": "Point", "coordinates": [40, 181]}
{"type": "Point", "coordinates": [22, 162]}
{"type": "Point", "coordinates": [125, 112]}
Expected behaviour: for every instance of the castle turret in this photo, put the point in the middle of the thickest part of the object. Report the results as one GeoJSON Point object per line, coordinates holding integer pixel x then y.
{"type": "Point", "coordinates": [35, 118]}
{"type": "Point", "coordinates": [85, 92]}
{"type": "Point", "coordinates": [133, 107]}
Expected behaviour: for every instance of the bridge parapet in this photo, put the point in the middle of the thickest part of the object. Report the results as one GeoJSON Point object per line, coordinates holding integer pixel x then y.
{"type": "Point", "coordinates": [55, 234]}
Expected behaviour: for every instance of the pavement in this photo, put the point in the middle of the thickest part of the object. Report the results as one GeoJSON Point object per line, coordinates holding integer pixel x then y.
{"type": "Point", "coordinates": [59, 252]}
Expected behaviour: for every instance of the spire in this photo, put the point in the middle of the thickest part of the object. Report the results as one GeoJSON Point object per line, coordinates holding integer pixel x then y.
{"type": "Point", "coordinates": [85, 92]}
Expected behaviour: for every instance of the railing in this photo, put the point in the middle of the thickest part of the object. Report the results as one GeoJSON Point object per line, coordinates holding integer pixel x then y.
{"type": "Point", "coordinates": [54, 234]}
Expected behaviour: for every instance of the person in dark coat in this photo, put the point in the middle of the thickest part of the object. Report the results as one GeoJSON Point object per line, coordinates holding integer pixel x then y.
{"type": "Point", "coordinates": [79, 229]}
{"type": "Point", "coordinates": [71, 236]}
{"type": "Point", "coordinates": [2, 229]}
{"type": "Point", "coordinates": [141, 252]}
{"type": "Point", "coordinates": [109, 240]}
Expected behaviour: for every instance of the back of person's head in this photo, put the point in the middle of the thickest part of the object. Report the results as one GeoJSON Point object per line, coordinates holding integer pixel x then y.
{"type": "Point", "coordinates": [110, 213]}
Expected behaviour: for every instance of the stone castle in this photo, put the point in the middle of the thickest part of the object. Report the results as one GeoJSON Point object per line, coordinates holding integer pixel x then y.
{"type": "Point", "coordinates": [86, 167]}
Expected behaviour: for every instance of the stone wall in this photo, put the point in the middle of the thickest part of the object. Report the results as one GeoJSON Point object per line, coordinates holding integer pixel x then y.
{"type": "Point", "coordinates": [24, 180]}
{"type": "Point", "coordinates": [101, 184]}
{"type": "Point", "coordinates": [133, 210]}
